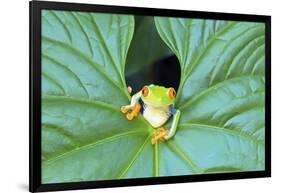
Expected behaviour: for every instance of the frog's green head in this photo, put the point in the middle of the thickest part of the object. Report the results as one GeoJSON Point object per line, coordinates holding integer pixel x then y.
{"type": "Point", "coordinates": [158, 96]}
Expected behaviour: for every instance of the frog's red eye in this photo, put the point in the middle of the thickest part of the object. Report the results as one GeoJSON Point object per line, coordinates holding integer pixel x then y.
{"type": "Point", "coordinates": [172, 93]}
{"type": "Point", "coordinates": [145, 91]}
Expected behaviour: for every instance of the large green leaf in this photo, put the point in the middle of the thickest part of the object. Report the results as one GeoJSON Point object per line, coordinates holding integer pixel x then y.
{"type": "Point", "coordinates": [84, 135]}
{"type": "Point", "coordinates": [221, 93]}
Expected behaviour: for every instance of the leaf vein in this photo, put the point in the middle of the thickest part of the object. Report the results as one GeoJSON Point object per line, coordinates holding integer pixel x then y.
{"type": "Point", "coordinates": [63, 25]}
{"type": "Point", "coordinates": [104, 140]}
{"type": "Point", "coordinates": [105, 46]}
{"type": "Point", "coordinates": [93, 64]}
{"type": "Point", "coordinates": [236, 133]}
{"type": "Point", "coordinates": [185, 157]}
{"type": "Point", "coordinates": [69, 70]}
{"type": "Point", "coordinates": [55, 82]}
{"type": "Point", "coordinates": [84, 32]}
{"type": "Point", "coordinates": [80, 100]}
{"type": "Point", "coordinates": [132, 161]}
{"type": "Point", "coordinates": [215, 86]}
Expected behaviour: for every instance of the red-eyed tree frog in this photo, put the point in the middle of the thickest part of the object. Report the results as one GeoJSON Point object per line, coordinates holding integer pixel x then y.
{"type": "Point", "coordinates": [156, 104]}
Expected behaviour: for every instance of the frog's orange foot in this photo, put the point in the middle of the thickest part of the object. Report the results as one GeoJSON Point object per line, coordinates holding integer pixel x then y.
{"type": "Point", "coordinates": [130, 116]}
{"type": "Point", "coordinates": [159, 134]}
{"type": "Point", "coordinates": [134, 112]}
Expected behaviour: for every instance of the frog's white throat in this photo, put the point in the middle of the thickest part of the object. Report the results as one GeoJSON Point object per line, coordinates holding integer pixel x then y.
{"type": "Point", "coordinates": [156, 116]}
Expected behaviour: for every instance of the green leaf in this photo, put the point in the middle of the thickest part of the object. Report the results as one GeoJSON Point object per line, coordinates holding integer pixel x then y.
{"type": "Point", "coordinates": [84, 135]}
{"type": "Point", "coordinates": [221, 93]}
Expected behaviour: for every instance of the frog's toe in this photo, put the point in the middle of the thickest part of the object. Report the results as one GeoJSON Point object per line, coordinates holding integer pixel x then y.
{"type": "Point", "coordinates": [162, 133]}
{"type": "Point", "coordinates": [153, 141]}
{"type": "Point", "coordinates": [130, 116]}
{"type": "Point", "coordinates": [124, 109]}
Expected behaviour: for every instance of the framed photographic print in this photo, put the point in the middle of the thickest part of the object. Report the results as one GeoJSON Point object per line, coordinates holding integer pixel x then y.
{"type": "Point", "coordinates": [123, 96]}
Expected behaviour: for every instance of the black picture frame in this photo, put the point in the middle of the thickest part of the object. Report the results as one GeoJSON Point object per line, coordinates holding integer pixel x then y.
{"type": "Point", "coordinates": [35, 184]}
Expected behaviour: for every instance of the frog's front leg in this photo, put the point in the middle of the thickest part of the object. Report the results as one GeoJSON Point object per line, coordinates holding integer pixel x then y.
{"type": "Point", "coordinates": [176, 116]}
{"type": "Point", "coordinates": [164, 134]}
{"type": "Point", "coordinates": [134, 107]}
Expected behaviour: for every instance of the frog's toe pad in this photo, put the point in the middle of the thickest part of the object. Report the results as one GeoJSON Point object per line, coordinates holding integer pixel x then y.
{"type": "Point", "coordinates": [124, 109]}
{"type": "Point", "coordinates": [130, 116]}
{"type": "Point", "coordinates": [162, 132]}
{"type": "Point", "coordinates": [153, 140]}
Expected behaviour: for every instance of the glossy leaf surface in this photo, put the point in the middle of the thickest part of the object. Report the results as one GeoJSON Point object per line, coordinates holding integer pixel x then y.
{"type": "Point", "coordinates": [221, 94]}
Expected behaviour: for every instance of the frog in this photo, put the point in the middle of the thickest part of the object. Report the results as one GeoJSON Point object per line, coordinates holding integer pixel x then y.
{"type": "Point", "coordinates": [156, 104]}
